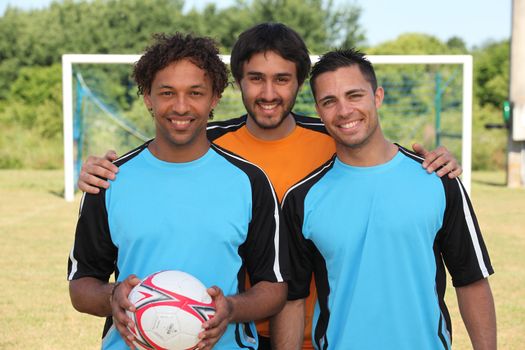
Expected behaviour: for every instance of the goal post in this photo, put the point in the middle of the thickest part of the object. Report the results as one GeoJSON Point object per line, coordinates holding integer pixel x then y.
{"type": "Point", "coordinates": [68, 60]}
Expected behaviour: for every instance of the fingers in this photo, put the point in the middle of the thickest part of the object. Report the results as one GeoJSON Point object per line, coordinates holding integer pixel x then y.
{"type": "Point", "coordinates": [216, 326]}
{"type": "Point", "coordinates": [442, 162]}
{"type": "Point", "coordinates": [419, 149]}
{"type": "Point", "coordinates": [94, 171]}
{"type": "Point", "coordinates": [111, 155]}
{"type": "Point", "coordinates": [119, 304]}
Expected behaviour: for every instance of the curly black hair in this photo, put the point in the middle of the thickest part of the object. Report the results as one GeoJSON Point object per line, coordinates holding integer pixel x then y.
{"type": "Point", "coordinates": [201, 51]}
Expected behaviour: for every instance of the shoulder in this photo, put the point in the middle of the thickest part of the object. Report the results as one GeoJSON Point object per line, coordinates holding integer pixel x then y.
{"type": "Point", "coordinates": [301, 188]}
{"type": "Point", "coordinates": [410, 154]}
{"type": "Point", "coordinates": [310, 123]}
{"type": "Point", "coordinates": [220, 128]}
{"type": "Point", "coordinates": [252, 170]}
{"type": "Point", "coordinates": [131, 154]}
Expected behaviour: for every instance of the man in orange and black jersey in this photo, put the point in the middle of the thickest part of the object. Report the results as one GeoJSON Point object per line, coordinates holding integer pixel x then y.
{"type": "Point", "coordinates": [270, 62]}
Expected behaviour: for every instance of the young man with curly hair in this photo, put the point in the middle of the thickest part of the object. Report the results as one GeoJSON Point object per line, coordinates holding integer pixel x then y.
{"type": "Point", "coordinates": [164, 213]}
{"type": "Point", "coordinates": [270, 62]}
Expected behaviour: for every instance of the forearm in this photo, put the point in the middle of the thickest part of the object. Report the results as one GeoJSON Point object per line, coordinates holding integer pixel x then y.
{"type": "Point", "coordinates": [260, 301]}
{"type": "Point", "coordinates": [287, 326]}
{"type": "Point", "coordinates": [90, 295]}
{"type": "Point", "coordinates": [476, 305]}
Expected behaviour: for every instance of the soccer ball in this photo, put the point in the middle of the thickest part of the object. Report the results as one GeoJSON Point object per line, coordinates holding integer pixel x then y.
{"type": "Point", "coordinates": [170, 309]}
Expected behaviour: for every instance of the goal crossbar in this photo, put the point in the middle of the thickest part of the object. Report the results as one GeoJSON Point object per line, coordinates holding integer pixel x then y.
{"type": "Point", "coordinates": [67, 90]}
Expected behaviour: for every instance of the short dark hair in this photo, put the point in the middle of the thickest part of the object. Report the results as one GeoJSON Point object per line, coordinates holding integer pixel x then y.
{"type": "Point", "coordinates": [201, 51]}
{"type": "Point", "coordinates": [333, 60]}
{"type": "Point", "coordinates": [275, 37]}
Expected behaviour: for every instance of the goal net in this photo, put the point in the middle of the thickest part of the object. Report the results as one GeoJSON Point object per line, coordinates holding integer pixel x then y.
{"type": "Point", "coordinates": [428, 99]}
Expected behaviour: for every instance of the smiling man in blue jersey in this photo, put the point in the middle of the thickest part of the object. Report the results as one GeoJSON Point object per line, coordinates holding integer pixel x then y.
{"type": "Point", "coordinates": [163, 212]}
{"type": "Point", "coordinates": [378, 231]}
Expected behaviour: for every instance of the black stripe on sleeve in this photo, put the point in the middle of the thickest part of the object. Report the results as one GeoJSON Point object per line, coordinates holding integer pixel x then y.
{"type": "Point", "coordinates": [265, 246]}
{"type": "Point", "coordinates": [460, 240]}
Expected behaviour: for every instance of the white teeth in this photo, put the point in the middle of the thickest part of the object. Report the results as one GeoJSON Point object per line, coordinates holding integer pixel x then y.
{"type": "Point", "coordinates": [180, 122]}
{"type": "Point", "coordinates": [268, 107]}
{"type": "Point", "coordinates": [350, 124]}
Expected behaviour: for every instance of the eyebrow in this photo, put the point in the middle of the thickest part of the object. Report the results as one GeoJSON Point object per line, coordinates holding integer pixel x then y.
{"type": "Point", "coordinates": [349, 92]}
{"type": "Point", "coordinates": [195, 86]}
{"type": "Point", "coordinates": [284, 74]}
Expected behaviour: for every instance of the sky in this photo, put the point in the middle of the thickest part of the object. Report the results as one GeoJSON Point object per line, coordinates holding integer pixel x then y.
{"type": "Point", "coordinates": [475, 21]}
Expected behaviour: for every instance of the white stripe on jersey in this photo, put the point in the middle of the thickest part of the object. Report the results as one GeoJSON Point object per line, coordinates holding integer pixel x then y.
{"type": "Point", "coordinates": [314, 124]}
{"type": "Point", "coordinates": [74, 264]}
{"type": "Point", "coordinates": [276, 265]}
{"type": "Point", "coordinates": [224, 126]}
{"type": "Point", "coordinates": [306, 179]}
{"type": "Point", "coordinates": [472, 231]}
{"type": "Point", "coordinates": [129, 154]}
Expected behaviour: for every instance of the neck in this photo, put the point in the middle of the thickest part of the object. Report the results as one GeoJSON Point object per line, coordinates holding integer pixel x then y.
{"type": "Point", "coordinates": [271, 134]}
{"type": "Point", "coordinates": [367, 155]}
{"type": "Point", "coordinates": [172, 153]}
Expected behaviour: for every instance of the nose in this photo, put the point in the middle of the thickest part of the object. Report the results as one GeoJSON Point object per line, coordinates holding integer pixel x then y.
{"type": "Point", "coordinates": [345, 109]}
{"type": "Point", "coordinates": [268, 92]}
{"type": "Point", "coordinates": [180, 105]}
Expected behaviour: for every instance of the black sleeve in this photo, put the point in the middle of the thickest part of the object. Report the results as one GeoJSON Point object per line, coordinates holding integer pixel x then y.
{"type": "Point", "coordinates": [265, 248]}
{"type": "Point", "coordinates": [460, 240]}
{"type": "Point", "coordinates": [301, 250]}
{"type": "Point", "coordinates": [93, 253]}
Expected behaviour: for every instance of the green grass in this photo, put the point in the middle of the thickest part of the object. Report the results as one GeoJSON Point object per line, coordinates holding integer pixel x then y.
{"type": "Point", "coordinates": [36, 234]}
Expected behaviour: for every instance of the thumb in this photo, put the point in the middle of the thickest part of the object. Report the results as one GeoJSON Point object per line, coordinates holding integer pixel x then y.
{"type": "Point", "coordinates": [214, 291]}
{"type": "Point", "coordinates": [419, 149]}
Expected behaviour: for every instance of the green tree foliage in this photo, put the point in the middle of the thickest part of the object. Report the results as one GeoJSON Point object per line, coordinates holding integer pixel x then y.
{"type": "Point", "coordinates": [32, 43]}
{"type": "Point", "coordinates": [491, 73]}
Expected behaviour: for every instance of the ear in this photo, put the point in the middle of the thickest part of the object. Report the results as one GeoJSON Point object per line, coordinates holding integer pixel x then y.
{"type": "Point", "coordinates": [379, 96]}
{"type": "Point", "coordinates": [215, 100]}
{"type": "Point", "coordinates": [147, 101]}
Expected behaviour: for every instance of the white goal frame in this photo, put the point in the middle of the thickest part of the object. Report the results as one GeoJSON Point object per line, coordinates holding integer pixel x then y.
{"type": "Point", "coordinates": [67, 90]}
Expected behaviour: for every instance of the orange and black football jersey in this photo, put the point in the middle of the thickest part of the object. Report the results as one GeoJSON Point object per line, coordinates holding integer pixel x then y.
{"type": "Point", "coordinates": [286, 162]}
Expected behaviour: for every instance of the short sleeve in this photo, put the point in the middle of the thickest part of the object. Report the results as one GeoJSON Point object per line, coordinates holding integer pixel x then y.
{"type": "Point", "coordinates": [460, 240]}
{"type": "Point", "coordinates": [93, 253]}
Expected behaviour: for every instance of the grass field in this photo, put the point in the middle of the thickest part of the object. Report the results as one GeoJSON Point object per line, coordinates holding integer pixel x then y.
{"type": "Point", "coordinates": [36, 233]}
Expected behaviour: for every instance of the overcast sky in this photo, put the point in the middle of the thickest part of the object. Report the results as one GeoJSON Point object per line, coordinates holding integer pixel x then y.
{"type": "Point", "coordinates": [475, 21]}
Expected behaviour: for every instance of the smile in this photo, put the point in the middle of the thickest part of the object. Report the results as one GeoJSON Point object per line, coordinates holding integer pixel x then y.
{"type": "Point", "coordinates": [268, 107]}
{"type": "Point", "coordinates": [180, 122]}
{"type": "Point", "coordinates": [349, 125]}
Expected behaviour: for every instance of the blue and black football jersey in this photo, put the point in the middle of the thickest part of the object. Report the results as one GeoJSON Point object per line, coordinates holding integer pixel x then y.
{"type": "Point", "coordinates": [215, 218]}
{"type": "Point", "coordinates": [377, 240]}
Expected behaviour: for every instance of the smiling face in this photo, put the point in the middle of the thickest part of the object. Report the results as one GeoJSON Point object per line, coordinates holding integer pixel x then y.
{"type": "Point", "coordinates": [181, 99]}
{"type": "Point", "coordinates": [346, 102]}
{"type": "Point", "coordinates": [269, 87]}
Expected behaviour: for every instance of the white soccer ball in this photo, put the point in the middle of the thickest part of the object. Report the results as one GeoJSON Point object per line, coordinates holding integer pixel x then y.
{"type": "Point", "coordinates": [170, 309]}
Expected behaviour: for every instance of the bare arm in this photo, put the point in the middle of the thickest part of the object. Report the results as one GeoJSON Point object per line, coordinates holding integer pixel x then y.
{"type": "Point", "coordinates": [94, 169]}
{"type": "Point", "coordinates": [287, 326]}
{"type": "Point", "coordinates": [262, 300]}
{"type": "Point", "coordinates": [439, 159]}
{"type": "Point", "coordinates": [90, 295]}
{"type": "Point", "coordinates": [477, 310]}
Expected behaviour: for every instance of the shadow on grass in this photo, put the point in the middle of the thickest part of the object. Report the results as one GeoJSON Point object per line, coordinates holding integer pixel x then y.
{"type": "Point", "coordinates": [56, 193]}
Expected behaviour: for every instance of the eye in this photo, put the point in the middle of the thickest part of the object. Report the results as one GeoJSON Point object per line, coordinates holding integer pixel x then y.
{"type": "Point", "coordinates": [328, 102]}
{"type": "Point", "coordinates": [355, 96]}
{"type": "Point", "coordinates": [166, 93]}
{"type": "Point", "coordinates": [283, 80]}
{"type": "Point", "coordinates": [196, 93]}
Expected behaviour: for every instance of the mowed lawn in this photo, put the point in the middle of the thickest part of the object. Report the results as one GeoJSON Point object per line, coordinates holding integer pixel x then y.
{"type": "Point", "coordinates": [36, 233]}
